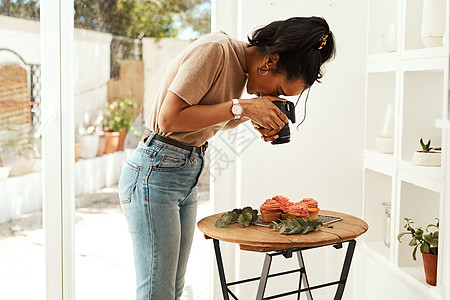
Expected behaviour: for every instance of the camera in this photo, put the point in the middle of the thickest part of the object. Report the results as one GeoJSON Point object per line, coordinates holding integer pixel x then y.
{"type": "Point", "coordinates": [284, 135]}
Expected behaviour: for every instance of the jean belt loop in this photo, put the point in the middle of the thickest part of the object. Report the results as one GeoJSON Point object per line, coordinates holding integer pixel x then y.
{"type": "Point", "coordinates": [150, 137]}
{"type": "Point", "coordinates": [191, 156]}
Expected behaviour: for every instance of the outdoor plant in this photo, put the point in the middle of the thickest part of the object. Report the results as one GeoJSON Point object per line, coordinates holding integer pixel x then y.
{"type": "Point", "coordinates": [301, 226]}
{"type": "Point", "coordinates": [244, 216]}
{"type": "Point", "coordinates": [118, 114]}
{"type": "Point", "coordinates": [426, 240]}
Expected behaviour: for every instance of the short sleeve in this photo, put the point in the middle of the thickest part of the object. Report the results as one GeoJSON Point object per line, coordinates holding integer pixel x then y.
{"type": "Point", "coordinates": [197, 72]}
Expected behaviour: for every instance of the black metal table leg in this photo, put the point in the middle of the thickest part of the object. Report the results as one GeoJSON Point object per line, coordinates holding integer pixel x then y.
{"type": "Point", "coordinates": [226, 292]}
{"type": "Point", "coordinates": [264, 277]}
{"type": "Point", "coordinates": [303, 277]}
{"type": "Point", "coordinates": [223, 282]}
{"type": "Point", "coordinates": [345, 269]}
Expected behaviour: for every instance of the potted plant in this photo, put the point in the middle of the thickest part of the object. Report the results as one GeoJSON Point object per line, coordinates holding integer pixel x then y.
{"type": "Point", "coordinates": [89, 142]}
{"type": "Point", "coordinates": [427, 242]}
{"type": "Point", "coordinates": [118, 116]}
{"type": "Point", "coordinates": [428, 156]}
{"type": "Point", "coordinates": [18, 150]}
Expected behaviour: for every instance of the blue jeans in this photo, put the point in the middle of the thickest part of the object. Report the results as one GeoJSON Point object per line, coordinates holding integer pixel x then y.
{"type": "Point", "coordinates": [157, 190]}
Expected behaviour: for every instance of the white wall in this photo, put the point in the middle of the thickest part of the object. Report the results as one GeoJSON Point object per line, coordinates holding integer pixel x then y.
{"type": "Point", "coordinates": [157, 54]}
{"type": "Point", "coordinates": [324, 159]}
{"type": "Point", "coordinates": [91, 54]}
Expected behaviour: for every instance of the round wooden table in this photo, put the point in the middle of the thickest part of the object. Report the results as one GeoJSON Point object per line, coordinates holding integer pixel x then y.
{"type": "Point", "coordinates": [263, 239]}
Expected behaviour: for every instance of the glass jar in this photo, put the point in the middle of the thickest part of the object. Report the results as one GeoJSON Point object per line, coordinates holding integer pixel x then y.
{"type": "Point", "coordinates": [387, 224]}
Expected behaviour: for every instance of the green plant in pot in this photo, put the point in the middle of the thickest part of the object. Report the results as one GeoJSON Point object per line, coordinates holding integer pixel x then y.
{"type": "Point", "coordinates": [428, 156]}
{"type": "Point", "coordinates": [427, 242]}
{"type": "Point", "coordinates": [118, 118]}
{"type": "Point", "coordinates": [17, 150]}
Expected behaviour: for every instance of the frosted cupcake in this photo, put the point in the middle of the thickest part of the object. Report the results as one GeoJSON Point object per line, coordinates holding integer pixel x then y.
{"type": "Point", "coordinates": [270, 211]}
{"type": "Point", "coordinates": [284, 204]}
{"type": "Point", "coordinates": [313, 207]}
{"type": "Point", "coordinates": [300, 210]}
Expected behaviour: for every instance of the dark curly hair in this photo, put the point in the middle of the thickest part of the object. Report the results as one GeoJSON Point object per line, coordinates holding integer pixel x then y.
{"type": "Point", "coordinates": [298, 42]}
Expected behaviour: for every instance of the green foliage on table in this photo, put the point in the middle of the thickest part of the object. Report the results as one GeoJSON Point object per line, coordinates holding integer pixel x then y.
{"type": "Point", "coordinates": [301, 226]}
{"type": "Point", "coordinates": [244, 216]}
{"type": "Point", "coordinates": [118, 114]}
{"type": "Point", "coordinates": [428, 242]}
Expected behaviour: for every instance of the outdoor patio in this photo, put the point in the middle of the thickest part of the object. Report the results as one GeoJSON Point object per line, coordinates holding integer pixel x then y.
{"type": "Point", "coordinates": [104, 259]}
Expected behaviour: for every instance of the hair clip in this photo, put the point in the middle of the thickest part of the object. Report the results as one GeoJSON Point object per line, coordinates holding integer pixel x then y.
{"type": "Point", "coordinates": [323, 39]}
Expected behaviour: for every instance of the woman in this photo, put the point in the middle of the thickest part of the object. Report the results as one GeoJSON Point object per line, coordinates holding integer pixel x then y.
{"type": "Point", "coordinates": [198, 96]}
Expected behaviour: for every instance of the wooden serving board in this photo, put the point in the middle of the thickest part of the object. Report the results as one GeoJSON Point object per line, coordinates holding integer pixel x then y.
{"type": "Point", "coordinates": [263, 239]}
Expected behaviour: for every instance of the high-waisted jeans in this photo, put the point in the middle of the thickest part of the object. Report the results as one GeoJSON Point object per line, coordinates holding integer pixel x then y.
{"type": "Point", "coordinates": [158, 192]}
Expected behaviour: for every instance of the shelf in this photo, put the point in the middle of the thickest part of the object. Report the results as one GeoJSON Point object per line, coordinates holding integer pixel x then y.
{"type": "Point", "coordinates": [383, 27]}
{"type": "Point", "coordinates": [414, 19]}
{"type": "Point", "coordinates": [421, 107]}
{"type": "Point", "coordinates": [377, 193]}
{"type": "Point", "coordinates": [380, 248]}
{"type": "Point", "coordinates": [427, 64]}
{"type": "Point", "coordinates": [435, 174]}
{"type": "Point", "coordinates": [425, 53]}
{"type": "Point", "coordinates": [422, 206]}
{"type": "Point", "coordinates": [388, 58]}
{"type": "Point", "coordinates": [380, 111]}
{"type": "Point", "coordinates": [380, 162]}
{"type": "Point", "coordinates": [411, 77]}
{"type": "Point", "coordinates": [441, 123]}
{"type": "Point", "coordinates": [408, 275]}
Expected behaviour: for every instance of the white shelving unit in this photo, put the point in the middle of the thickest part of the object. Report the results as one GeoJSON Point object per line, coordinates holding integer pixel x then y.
{"type": "Point", "coordinates": [414, 81]}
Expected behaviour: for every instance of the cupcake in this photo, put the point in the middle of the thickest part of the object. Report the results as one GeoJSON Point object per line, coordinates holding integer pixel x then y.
{"type": "Point", "coordinates": [300, 210]}
{"type": "Point", "coordinates": [270, 211]}
{"type": "Point", "coordinates": [313, 208]}
{"type": "Point", "coordinates": [284, 204]}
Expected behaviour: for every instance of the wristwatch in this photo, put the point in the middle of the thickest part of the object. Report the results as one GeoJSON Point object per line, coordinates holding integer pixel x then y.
{"type": "Point", "coordinates": [236, 109]}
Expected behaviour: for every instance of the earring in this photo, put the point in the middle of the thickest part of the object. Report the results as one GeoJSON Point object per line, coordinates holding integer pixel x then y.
{"type": "Point", "coordinates": [265, 71]}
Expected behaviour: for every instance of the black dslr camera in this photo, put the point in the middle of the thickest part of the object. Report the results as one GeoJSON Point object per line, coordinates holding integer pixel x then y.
{"type": "Point", "coordinates": [288, 108]}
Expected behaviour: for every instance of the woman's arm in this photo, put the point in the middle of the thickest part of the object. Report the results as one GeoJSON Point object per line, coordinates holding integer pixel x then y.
{"type": "Point", "coordinates": [177, 116]}
{"type": "Point", "coordinates": [232, 124]}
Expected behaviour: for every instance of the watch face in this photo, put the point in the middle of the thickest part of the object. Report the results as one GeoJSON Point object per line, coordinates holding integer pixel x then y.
{"type": "Point", "coordinates": [236, 109]}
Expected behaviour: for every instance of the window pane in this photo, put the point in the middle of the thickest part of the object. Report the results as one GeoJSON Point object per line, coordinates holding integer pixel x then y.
{"type": "Point", "coordinates": [21, 234]}
{"type": "Point", "coordinates": [114, 91]}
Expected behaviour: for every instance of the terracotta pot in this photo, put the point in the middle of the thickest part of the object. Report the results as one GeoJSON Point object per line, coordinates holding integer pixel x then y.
{"type": "Point", "coordinates": [112, 142]}
{"type": "Point", "coordinates": [430, 267]}
{"type": "Point", "coordinates": [101, 144]}
{"type": "Point", "coordinates": [22, 163]}
{"type": "Point", "coordinates": [122, 136]}
{"type": "Point", "coordinates": [77, 150]}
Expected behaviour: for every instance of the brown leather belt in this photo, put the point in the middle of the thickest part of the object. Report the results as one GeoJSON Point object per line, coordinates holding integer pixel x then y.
{"type": "Point", "coordinates": [176, 143]}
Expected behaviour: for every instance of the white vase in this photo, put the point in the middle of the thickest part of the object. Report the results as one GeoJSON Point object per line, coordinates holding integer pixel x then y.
{"type": "Point", "coordinates": [429, 159]}
{"type": "Point", "coordinates": [389, 33]}
{"type": "Point", "coordinates": [385, 144]}
{"type": "Point", "coordinates": [385, 129]}
{"type": "Point", "coordinates": [89, 145]}
{"type": "Point", "coordinates": [433, 23]}
{"type": "Point", "coordinates": [385, 122]}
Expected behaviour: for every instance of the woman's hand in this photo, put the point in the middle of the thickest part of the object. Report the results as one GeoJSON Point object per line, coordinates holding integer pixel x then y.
{"type": "Point", "coordinates": [266, 117]}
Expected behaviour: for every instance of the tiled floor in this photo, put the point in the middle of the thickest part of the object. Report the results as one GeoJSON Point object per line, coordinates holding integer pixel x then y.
{"type": "Point", "coordinates": [104, 260]}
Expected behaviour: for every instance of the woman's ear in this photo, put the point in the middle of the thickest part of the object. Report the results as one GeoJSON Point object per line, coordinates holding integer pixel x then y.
{"type": "Point", "coordinates": [272, 60]}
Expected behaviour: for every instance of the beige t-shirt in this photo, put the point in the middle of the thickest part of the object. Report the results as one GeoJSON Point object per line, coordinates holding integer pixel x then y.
{"type": "Point", "coordinates": [211, 70]}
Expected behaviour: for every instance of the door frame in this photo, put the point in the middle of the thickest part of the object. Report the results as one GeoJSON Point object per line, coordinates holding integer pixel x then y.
{"type": "Point", "coordinates": [56, 21]}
